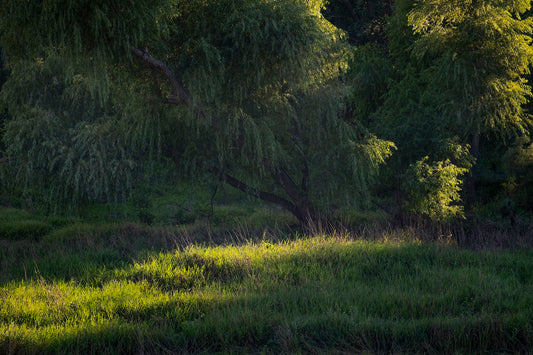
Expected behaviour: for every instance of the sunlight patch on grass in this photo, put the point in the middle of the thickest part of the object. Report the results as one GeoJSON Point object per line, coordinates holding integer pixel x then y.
{"type": "Point", "coordinates": [312, 294]}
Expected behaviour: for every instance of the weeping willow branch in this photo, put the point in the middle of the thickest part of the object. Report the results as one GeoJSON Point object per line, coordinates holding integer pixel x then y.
{"type": "Point", "coordinates": [299, 206]}
{"type": "Point", "coordinates": [265, 196]}
{"type": "Point", "coordinates": [180, 96]}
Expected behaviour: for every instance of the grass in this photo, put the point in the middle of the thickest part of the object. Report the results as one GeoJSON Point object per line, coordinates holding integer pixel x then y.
{"type": "Point", "coordinates": [128, 288]}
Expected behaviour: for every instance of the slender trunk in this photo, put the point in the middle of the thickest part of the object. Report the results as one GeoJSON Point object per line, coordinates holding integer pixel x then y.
{"type": "Point", "coordinates": [472, 176]}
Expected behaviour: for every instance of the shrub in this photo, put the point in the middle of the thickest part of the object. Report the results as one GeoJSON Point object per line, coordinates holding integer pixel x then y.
{"type": "Point", "coordinates": [13, 214]}
{"type": "Point", "coordinates": [24, 229]}
{"type": "Point", "coordinates": [434, 189]}
{"type": "Point", "coordinates": [356, 217]}
{"type": "Point", "coordinates": [82, 231]}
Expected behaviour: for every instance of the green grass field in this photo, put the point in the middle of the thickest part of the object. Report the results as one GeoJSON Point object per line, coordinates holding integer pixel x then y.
{"type": "Point", "coordinates": [126, 288]}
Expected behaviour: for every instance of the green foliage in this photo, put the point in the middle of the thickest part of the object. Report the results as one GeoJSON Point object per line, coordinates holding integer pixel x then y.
{"type": "Point", "coordinates": [266, 73]}
{"type": "Point", "coordinates": [64, 147]}
{"type": "Point", "coordinates": [434, 189]}
{"type": "Point", "coordinates": [87, 33]}
{"type": "Point", "coordinates": [4, 73]}
{"type": "Point", "coordinates": [357, 217]}
{"type": "Point", "coordinates": [80, 231]}
{"type": "Point", "coordinates": [481, 63]}
{"type": "Point", "coordinates": [263, 78]}
{"type": "Point", "coordinates": [12, 215]}
{"type": "Point", "coordinates": [262, 219]}
{"type": "Point", "coordinates": [518, 164]}
{"type": "Point", "coordinates": [368, 74]}
{"type": "Point", "coordinates": [28, 229]}
{"type": "Point", "coordinates": [272, 94]}
{"type": "Point", "coordinates": [458, 75]}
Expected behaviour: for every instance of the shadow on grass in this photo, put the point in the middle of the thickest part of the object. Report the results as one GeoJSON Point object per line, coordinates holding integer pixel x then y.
{"type": "Point", "coordinates": [308, 296]}
{"type": "Point", "coordinates": [256, 332]}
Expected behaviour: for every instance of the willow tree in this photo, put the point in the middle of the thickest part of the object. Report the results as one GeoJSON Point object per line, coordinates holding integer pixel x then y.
{"type": "Point", "coordinates": [258, 80]}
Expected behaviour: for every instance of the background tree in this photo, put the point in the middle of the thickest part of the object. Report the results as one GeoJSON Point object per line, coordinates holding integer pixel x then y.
{"type": "Point", "coordinates": [483, 54]}
{"type": "Point", "coordinates": [65, 147]}
{"type": "Point", "coordinates": [456, 81]}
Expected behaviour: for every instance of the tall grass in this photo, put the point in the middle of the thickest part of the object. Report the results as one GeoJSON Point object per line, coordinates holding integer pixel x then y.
{"type": "Point", "coordinates": [128, 288]}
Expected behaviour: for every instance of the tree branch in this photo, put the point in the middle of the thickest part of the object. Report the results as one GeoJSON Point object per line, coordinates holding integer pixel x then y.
{"type": "Point", "coordinates": [265, 196]}
{"type": "Point", "coordinates": [180, 96]}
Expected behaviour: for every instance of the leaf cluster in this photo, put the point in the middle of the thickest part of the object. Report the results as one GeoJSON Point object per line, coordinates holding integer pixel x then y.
{"type": "Point", "coordinates": [434, 190]}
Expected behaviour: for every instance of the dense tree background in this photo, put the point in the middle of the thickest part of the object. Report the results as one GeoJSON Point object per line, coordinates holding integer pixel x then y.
{"type": "Point", "coordinates": [298, 103]}
{"type": "Point", "coordinates": [449, 89]}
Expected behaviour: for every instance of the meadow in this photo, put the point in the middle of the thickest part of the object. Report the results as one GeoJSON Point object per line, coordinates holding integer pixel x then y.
{"type": "Point", "coordinates": [74, 286]}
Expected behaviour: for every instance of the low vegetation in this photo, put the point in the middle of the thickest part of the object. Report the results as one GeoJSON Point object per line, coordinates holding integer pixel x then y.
{"type": "Point", "coordinates": [125, 288]}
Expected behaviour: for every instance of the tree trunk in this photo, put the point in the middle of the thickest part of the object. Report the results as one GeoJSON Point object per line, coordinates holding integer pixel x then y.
{"type": "Point", "coordinates": [297, 202]}
{"type": "Point", "coordinates": [472, 176]}
{"type": "Point", "coordinates": [302, 211]}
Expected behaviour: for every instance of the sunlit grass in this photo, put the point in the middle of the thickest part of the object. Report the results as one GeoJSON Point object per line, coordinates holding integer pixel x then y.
{"type": "Point", "coordinates": [312, 294]}
{"type": "Point", "coordinates": [115, 288]}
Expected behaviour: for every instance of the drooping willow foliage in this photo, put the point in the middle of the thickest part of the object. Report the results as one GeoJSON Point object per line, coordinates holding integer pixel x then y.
{"type": "Point", "coordinates": [263, 77]}
{"type": "Point", "coordinates": [267, 73]}
{"type": "Point", "coordinates": [64, 147]}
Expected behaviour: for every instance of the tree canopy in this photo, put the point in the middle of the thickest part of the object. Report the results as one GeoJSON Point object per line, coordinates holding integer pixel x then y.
{"type": "Point", "coordinates": [294, 102]}
{"type": "Point", "coordinates": [259, 80]}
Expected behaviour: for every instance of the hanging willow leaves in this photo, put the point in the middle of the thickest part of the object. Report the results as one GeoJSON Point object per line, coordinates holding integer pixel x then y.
{"type": "Point", "coordinates": [259, 80]}
{"type": "Point", "coordinates": [62, 144]}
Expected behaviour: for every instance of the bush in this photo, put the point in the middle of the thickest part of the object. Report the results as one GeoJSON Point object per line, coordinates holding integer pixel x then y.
{"type": "Point", "coordinates": [13, 214]}
{"type": "Point", "coordinates": [82, 231]}
{"type": "Point", "coordinates": [60, 222]}
{"type": "Point", "coordinates": [357, 217]}
{"type": "Point", "coordinates": [264, 218]}
{"type": "Point", "coordinates": [29, 229]}
{"type": "Point", "coordinates": [434, 189]}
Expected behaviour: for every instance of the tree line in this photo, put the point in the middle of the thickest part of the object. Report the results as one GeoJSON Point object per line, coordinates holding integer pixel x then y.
{"type": "Point", "coordinates": [415, 106]}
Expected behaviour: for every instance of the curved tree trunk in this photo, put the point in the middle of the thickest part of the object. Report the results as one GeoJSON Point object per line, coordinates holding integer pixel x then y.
{"type": "Point", "coordinates": [302, 210]}
{"type": "Point", "coordinates": [297, 202]}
